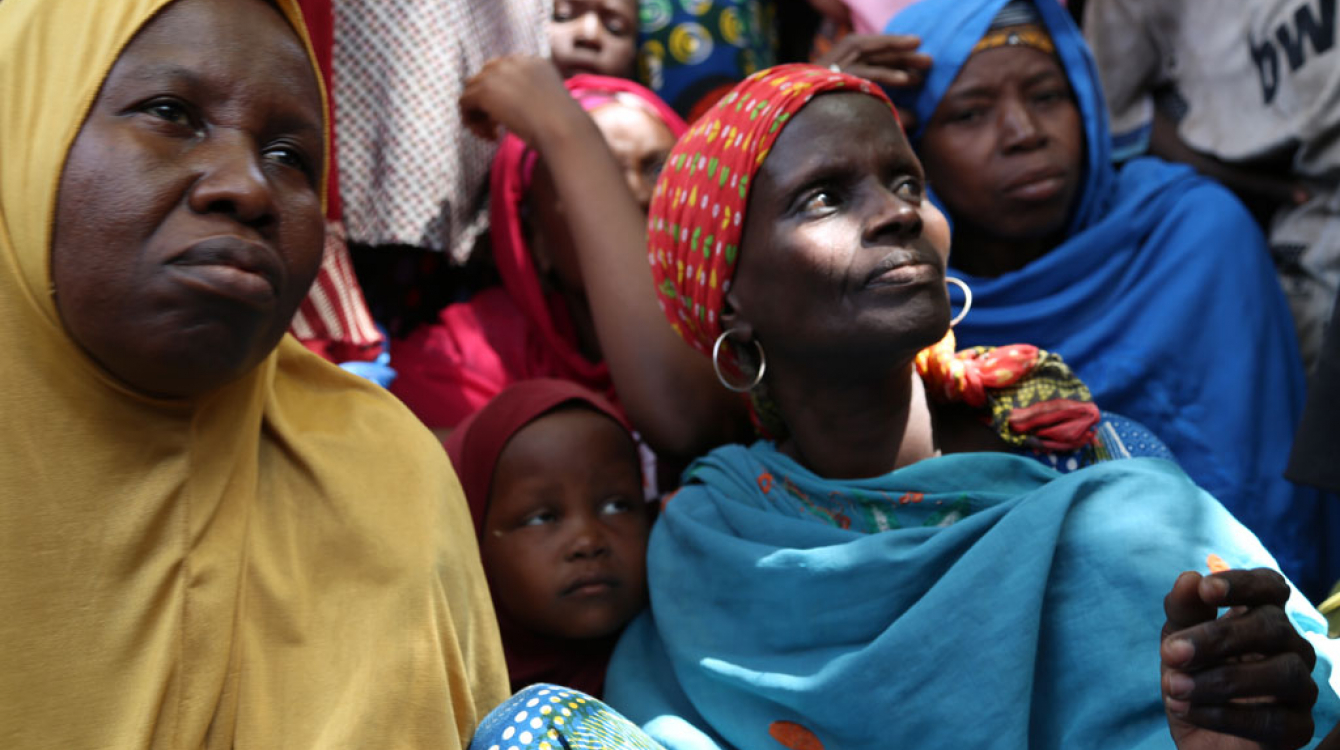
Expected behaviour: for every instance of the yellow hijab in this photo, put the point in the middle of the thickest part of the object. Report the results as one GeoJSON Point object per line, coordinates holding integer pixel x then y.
{"type": "Point", "coordinates": [285, 563]}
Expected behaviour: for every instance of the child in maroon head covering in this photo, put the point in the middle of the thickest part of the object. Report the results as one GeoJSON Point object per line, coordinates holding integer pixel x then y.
{"type": "Point", "coordinates": [552, 476]}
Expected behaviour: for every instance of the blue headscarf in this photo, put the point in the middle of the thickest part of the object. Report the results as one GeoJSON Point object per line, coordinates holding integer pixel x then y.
{"type": "Point", "coordinates": [1162, 298]}
{"type": "Point", "coordinates": [973, 600]}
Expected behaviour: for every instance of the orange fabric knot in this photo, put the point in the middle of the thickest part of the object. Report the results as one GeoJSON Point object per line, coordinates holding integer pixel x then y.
{"type": "Point", "coordinates": [963, 376]}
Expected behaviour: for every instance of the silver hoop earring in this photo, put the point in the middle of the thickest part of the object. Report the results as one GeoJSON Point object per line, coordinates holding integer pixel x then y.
{"type": "Point", "coordinates": [716, 363]}
{"type": "Point", "coordinates": [967, 299]}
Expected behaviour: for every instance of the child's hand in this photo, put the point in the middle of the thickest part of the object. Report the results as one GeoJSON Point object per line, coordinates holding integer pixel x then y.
{"type": "Point", "coordinates": [520, 93]}
{"type": "Point", "coordinates": [892, 61]}
{"type": "Point", "coordinates": [1240, 679]}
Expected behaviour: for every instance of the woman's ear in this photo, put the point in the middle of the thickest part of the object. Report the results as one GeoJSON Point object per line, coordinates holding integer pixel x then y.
{"type": "Point", "coordinates": [734, 319]}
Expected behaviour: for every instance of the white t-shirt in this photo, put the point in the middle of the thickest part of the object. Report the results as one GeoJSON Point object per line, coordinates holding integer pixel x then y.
{"type": "Point", "coordinates": [1244, 80]}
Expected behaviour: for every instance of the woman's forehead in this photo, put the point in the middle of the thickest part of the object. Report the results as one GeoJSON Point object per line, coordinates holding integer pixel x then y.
{"type": "Point", "coordinates": [195, 39]}
{"type": "Point", "coordinates": [832, 127]}
{"type": "Point", "coordinates": [992, 67]}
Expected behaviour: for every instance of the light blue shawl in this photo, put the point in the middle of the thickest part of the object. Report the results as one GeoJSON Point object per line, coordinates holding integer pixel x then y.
{"type": "Point", "coordinates": [1162, 298]}
{"type": "Point", "coordinates": [1030, 620]}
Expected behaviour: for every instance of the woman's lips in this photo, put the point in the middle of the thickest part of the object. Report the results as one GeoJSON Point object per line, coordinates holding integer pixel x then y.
{"type": "Point", "coordinates": [232, 268]}
{"type": "Point", "coordinates": [1037, 187]}
{"type": "Point", "coordinates": [902, 267]}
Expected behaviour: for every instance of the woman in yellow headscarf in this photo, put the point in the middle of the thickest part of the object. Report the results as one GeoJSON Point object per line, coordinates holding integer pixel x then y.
{"type": "Point", "coordinates": [208, 536]}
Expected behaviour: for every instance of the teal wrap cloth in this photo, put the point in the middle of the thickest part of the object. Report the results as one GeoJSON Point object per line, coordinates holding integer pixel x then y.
{"type": "Point", "coordinates": [972, 600]}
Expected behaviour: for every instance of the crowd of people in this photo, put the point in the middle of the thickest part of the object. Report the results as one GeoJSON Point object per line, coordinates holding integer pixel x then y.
{"type": "Point", "coordinates": [683, 374]}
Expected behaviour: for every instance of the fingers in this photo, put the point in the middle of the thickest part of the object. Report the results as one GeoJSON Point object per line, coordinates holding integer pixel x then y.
{"type": "Point", "coordinates": [1264, 630]}
{"type": "Point", "coordinates": [472, 103]}
{"type": "Point", "coordinates": [1249, 588]}
{"type": "Point", "coordinates": [888, 60]}
{"type": "Point", "coordinates": [1283, 678]}
{"type": "Point", "coordinates": [1272, 725]}
{"type": "Point", "coordinates": [1184, 606]}
{"type": "Point", "coordinates": [473, 114]}
{"type": "Point", "coordinates": [885, 77]}
{"type": "Point", "coordinates": [522, 94]}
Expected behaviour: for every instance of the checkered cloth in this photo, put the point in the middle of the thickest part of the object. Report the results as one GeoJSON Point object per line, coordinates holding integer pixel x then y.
{"type": "Point", "coordinates": [410, 173]}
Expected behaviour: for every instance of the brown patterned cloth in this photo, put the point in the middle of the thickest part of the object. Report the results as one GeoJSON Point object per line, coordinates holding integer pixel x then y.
{"type": "Point", "coordinates": [410, 173]}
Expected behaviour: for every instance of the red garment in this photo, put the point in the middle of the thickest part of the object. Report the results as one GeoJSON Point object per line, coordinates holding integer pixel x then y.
{"type": "Point", "coordinates": [474, 448]}
{"type": "Point", "coordinates": [452, 368]}
{"type": "Point", "coordinates": [333, 320]}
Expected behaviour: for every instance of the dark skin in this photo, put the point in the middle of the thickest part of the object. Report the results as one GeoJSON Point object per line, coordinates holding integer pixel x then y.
{"type": "Point", "coordinates": [1005, 151]}
{"type": "Point", "coordinates": [891, 60]}
{"type": "Point", "coordinates": [594, 36]}
{"type": "Point", "coordinates": [841, 279]}
{"type": "Point", "coordinates": [1241, 680]}
{"type": "Point", "coordinates": [189, 222]}
{"type": "Point", "coordinates": [565, 535]}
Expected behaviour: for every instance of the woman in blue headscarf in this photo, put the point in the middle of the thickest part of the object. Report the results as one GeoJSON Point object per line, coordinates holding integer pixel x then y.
{"type": "Point", "coordinates": [1152, 282]}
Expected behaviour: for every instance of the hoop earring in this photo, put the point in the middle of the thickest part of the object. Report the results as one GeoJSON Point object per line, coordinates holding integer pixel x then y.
{"type": "Point", "coordinates": [716, 364]}
{"type": "Point", "coordinates": [967, 299]}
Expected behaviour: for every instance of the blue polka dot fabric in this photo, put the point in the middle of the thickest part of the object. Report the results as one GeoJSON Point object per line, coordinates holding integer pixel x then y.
{"type": "Point", "coordinates": [549, 717]}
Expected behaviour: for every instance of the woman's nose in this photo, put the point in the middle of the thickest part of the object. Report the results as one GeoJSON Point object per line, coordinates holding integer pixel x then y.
{"type": "Point", "coordinates": [891, 215]}
{"type": "Point", "coordinates": [1019, 129]}
{"type": "Point", "coordinates": [232, 180]}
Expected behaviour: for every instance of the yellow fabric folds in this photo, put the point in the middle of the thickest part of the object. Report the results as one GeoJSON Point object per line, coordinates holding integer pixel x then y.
{"type": "Point", "coordinates": [287, 563]}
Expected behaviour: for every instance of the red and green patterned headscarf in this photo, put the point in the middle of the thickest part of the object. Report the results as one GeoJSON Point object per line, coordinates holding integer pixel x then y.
{"type": "Point", "coordinates": [697, 211]}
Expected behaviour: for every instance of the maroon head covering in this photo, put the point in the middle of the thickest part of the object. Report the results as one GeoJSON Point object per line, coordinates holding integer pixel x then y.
{"type": "Point", "coordinates": [475, 447]}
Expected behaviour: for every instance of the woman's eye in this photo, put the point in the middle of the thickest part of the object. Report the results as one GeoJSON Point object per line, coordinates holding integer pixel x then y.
{"type": "Point", "coordinates": [969, 115]}
{"type": "Point", "coordinates": [819, 201]}
{"type": "Point", "coordinates": [562, 12]}
{"type": "Point", "coordinates": [289, 157]}
{"type": "Point", "coordinates": [169, 111]}
{"type": "Point", "coordinates": [1051, 97]}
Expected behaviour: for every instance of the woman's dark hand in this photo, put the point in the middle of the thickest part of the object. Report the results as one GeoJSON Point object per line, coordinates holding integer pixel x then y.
{"type": "Point", "coordinates": [521, 93]}
{"type": "Point", "coordinates": [1243, 680]}
{"type": "Point", "coordinates": [891, 61]}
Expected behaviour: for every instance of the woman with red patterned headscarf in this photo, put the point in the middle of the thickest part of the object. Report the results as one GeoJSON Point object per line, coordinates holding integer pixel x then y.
{"type": "Point", "coordinates": [793, 581]}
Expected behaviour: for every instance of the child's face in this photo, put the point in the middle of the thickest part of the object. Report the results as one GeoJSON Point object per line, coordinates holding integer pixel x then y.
{"type": "Point", "coordinates": [594, 36]}
{"type": "Point", "coordinates": [640, 142]}
{"type": "Point", "coordinates": [565, 537]}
